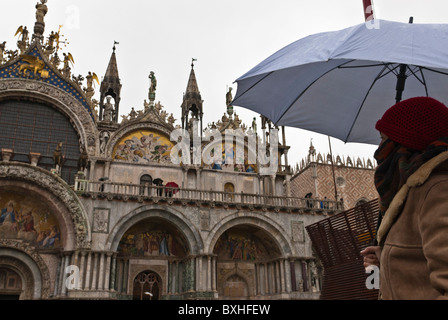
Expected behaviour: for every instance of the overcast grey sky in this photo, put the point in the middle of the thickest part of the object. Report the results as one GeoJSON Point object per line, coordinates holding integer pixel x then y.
{"type": "Point", "coordinates": [227, 38]}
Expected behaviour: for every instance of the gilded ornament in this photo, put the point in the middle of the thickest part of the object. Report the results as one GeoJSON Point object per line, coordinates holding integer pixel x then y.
{"type": "Point", "coordinates": [35, 65]}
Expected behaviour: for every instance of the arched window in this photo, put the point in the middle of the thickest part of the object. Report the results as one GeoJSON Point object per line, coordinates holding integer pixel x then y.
{"type": "Point", "coordinates": [147, 286]}
{"type": "Point", "coordinates": [229, 190]}
{"type": "Point", "coordinates": [145, 182]}
{"type": "Point", "coordinates": [34, 127]}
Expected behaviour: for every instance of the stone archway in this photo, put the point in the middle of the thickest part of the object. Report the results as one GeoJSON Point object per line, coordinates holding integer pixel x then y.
{"type": "Point", "coordinates": [269, 226]}
{"type": "Point", "coordinates": [23, 261]}
{"type": "Point", "coordinates": [159, 239]}
{"type": "Point", "coordinates": [240, 251]}
{"type": "Point", "coordinates": [176, 219]}
{"type": "Point", "coordinates": [61, 101]}
{"type": "Point", "coordinates": [253, 251]}
{"type": "Point", "coordinates": [54, 193]}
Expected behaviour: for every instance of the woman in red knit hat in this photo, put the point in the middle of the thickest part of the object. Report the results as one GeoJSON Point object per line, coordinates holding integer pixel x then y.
{"type": "Point", "coordinates": [412, 182]}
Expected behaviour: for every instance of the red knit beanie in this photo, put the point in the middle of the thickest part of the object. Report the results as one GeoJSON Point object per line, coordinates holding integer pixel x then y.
{"type": "Point", "coordinates": [415, 123]}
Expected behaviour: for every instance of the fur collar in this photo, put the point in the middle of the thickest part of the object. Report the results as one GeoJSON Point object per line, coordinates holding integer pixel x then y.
{"type": "Point", "coordinates": [418, 178]}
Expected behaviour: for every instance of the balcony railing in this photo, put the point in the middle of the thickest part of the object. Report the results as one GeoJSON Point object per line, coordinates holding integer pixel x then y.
{"type": "Point", "coordinates": [112, 189]}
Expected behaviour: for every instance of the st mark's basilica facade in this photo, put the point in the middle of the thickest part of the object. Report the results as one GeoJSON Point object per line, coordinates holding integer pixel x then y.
{"type": "Point", "coordinates": [92, 207]}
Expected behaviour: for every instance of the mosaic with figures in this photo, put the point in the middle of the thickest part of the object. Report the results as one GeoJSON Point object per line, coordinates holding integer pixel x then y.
{"type": "Point", "coordinates": [240, 245]}
{"type": "Point", "coordinates": [26, 218]}
{"type": "Point", "coordinates": [233, 158]}
{"type": "Point", "coordinates": [156, 242]}
{"type": "Point", "coordinates": [143, 146]}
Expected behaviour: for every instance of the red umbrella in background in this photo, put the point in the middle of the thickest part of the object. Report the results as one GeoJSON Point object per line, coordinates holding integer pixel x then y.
{"type": "Point", "coordinates": [172, 188]}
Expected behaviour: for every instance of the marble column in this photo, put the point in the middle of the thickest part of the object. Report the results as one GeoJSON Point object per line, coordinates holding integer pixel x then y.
{"type": "Point", "coordinates": [214, 266]}
{"type": "Point", "coordinates": [293, 275]}
{"type": "Point", "coordinates": [304, 276]}
{"type": "Point", "coordinates": [107, 271]}
{"type": "Point", "coordinates": [282, 275]}
{"type": "Point", "coordinates": [198, 179]}
{"type": "Point", "coordinates": [209, 273]}
{"type": "Point", "coordinates": [177, 287]}
{"type": "Point", "coordinates": [82, 269]}
{"type": "Point", "coordinates": [101, 272]}
{"type": "Point", "coordinates": [266, 279]}
{"type": "Point", "coordinates": [200, 275]}
{"type": "Point", "coordinates": [59, 277]}
{"type": "Point", "coordinates": [88, 271]}
{"type": "Point", "coordinates": [66, 264]}
{"type": "Point", "coordinates": [125, 276]}
{"type": "Point", "coordinates": [287, 275]}
{"type": "Point", "coordinates": [257, 279]}
{"type": "Point", "coordinates": [278, 275]}
{"type": "Point", "coordinates": [92, 170]}
{"type": "Point", "coordinates": [95, 270]}
{"type": "Point", "coordinates": [107, 169]}
{"type": "Point", "coordinates": [113, 274]}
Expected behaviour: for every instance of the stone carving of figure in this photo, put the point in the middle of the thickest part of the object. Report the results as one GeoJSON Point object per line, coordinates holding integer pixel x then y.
{"type": "Point", "coordinates": [55, 60]}
{"type": "Point", "coordinates": [236, 122]}
{"type": "Point", "coordinates": [108, 110]}
{"type": "Point", "coordinates": [153, 86]}
{"type": "Point", "coordinates": [225, 119]}
{"type": "Point", "coordinates": [66, 69]}
{"type": "Point", "coordinates": [254, 125]}
{"type": "Point", "coordinates": [104, 138]}
{"type": "Point", "coordinates": [229, 97]}
{"type": "Point", "coordinates": [89, 79]}
{"type": "Point", "coordinates": [51, 39]}
{"type": "Point", "coordinates": [132, 114]}
{"type": "Point", "coordinates": [22, 43]}
{"type": "Point", "coordinates": [171, 119]}
{"type": "Point", "coordinates": [163, 115]}
{"type": "Point", "coordinates": [58, 157]}
{"type": "Point", "coordinates": [83, 160]}
{"type": "Point", "coordinates": [2, 51]}
{"type": "Point", "coordinates": [41, 11]}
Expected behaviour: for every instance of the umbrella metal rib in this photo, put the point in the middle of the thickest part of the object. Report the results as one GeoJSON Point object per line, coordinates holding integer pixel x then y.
{"type": "Point", "coordinates": [364, 100]}
{"type": "Point", "coordinates": [306, 89]}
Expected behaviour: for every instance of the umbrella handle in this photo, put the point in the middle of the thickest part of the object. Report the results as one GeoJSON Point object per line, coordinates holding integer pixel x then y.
{"type": "Point", "coordinates": [401, 80]}
{"type": "Point", "coordinates": [401, 77]}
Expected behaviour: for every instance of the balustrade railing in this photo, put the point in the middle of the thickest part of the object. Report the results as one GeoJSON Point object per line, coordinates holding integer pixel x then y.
{"type": "Point", "coordinates": [136, 190]}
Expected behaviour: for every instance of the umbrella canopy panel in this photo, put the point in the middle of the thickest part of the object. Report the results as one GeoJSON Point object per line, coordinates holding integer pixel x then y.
{"type": "Point", "coordinates": [340, 83]}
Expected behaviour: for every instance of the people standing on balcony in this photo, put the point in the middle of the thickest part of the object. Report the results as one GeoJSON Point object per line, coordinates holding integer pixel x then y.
{"type": "Point", "coordinates": [309, 203]}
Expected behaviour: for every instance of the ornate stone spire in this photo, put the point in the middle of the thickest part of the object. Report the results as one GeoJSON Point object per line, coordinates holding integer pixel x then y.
{"type": "Point", "coordinates": [110, 87]}
{"type": "Point", "coordinates": [192, 103]}
{"type": "Point", "coordinates": [39, 26]}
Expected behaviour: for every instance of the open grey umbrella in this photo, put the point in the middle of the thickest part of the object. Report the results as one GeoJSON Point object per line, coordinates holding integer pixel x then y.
{"type": "Point", "coordinates": [340, 83]}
